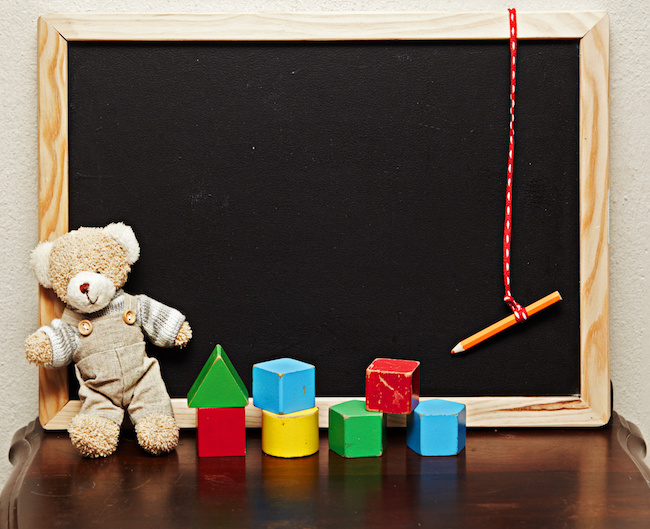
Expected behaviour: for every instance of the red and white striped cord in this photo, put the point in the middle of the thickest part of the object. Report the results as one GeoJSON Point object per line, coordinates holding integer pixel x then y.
{"type": "Point", "coordinates": [519, 311]}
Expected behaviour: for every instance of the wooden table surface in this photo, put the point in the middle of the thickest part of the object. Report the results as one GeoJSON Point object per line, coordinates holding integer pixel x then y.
{"type": "Point", "coordinates": [504, 478]}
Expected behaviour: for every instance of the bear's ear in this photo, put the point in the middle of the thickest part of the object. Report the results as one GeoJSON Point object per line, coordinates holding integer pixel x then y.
{"type": "Point", "coordinates": [125, 236]}
{"type": "Point", "coordinates": [40, 260]}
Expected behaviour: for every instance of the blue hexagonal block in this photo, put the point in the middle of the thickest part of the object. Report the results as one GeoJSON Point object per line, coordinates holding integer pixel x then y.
{"type": "Point", "coordinates": [284, 385]}
{"type": "Point", "coordinates": [437, 428]}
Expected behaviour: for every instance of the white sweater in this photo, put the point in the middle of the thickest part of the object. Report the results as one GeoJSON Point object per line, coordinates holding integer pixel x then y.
{"type": "Point", "coordinates": [158, 321]}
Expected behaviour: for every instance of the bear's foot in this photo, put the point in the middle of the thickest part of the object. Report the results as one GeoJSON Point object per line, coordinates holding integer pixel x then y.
{"type": "Point", "coordinates": [94, 436]}
{"type": "Point", "coordinates": [157, 433]}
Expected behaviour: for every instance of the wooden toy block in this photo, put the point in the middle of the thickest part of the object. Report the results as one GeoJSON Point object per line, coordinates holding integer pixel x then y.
{"type": "Point", "coordinates": [290, 435]}
{"type": "Point", "coordinates": [437, 428]}
{"type": "Point", "coordinates": [218, 384]}
{"type": "Point", "coordinates": [392, 385]}
{"type": "Point", "coordinates": [284, 385]}
{"type": "Point", "coordinates": [221, 432]}
{"type": "Point", "coordinates": [356, 432]}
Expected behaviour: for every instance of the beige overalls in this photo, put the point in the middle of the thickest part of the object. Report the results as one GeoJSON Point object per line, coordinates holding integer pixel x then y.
{"type": "Point", "coordinates": [113, 368]}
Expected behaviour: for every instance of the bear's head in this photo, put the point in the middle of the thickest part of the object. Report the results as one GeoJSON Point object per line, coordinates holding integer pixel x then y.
{"type": "Point", "coordinates": [85, 267]}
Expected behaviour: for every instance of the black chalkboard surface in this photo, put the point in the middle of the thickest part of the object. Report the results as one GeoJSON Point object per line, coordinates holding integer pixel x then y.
{"type": "Point", "coordinates": [340, 201]}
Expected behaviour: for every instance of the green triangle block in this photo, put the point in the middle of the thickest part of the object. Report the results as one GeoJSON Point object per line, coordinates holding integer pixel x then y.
{"type": "Point", "coordinates": [218, 385]}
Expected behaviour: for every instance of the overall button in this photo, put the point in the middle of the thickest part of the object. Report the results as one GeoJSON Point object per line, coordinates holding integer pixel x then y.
{"type": "Point", "coordinates": [129, 317]}
{"type": "Point", "coordinates": [85, 327]}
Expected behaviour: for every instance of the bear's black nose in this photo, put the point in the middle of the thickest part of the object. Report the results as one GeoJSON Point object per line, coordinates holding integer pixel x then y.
{"type": "Point", "coordinates": [84, 288]}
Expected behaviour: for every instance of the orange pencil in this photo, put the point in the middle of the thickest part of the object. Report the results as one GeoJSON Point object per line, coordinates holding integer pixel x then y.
{"type": "Point", "coordinates": [503, 324]}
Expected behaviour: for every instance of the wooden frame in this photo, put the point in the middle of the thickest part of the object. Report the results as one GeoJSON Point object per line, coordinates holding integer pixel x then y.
{"type": "Point", "coordinates": [592, 407]}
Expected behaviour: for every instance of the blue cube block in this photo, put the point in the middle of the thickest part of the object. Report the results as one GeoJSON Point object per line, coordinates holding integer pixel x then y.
{"type": "Point", "coordinates": [437, 428]}
{"type": "Point", "coordinates": [284, 385]}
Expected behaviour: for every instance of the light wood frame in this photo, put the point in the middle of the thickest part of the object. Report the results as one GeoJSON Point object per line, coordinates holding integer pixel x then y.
{"type": "Point", "coordinates": [592, 406]}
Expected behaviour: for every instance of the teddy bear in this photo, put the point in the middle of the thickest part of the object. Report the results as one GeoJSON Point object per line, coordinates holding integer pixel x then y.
{"type": "Point", "coordinates": [102, 331]}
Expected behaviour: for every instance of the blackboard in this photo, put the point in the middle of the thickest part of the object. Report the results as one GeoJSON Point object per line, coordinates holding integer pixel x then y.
{"type": "Point", "coordinates": [341, 200]}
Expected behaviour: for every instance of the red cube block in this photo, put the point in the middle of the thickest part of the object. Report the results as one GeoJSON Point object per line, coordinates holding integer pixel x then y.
{"type": "Point", "coordinates": [221, 432]}
{"type": "Point", "coordinates": [392, 385]}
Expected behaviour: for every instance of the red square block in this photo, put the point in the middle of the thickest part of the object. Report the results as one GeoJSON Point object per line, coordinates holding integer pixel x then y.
{"type": "Point", "coordinates": [221, 432]}
{"type": "Point", "coordinates": [392, 385]}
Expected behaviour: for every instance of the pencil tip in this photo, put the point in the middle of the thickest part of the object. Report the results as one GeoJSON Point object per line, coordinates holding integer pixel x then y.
{"type": "Point", "coordinates": [457, 349]}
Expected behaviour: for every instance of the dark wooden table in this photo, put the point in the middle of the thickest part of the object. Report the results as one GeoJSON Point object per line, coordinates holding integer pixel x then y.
{"type": "Point", "coordinates": [504, 478]}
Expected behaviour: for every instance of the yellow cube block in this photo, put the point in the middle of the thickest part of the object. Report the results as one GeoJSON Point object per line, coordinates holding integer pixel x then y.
{"type": "Point", "coordinates": [290, 435]}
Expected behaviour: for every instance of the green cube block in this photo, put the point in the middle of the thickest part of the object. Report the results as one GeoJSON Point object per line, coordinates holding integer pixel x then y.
{"type": "Point", "coordinates": [355, 431]}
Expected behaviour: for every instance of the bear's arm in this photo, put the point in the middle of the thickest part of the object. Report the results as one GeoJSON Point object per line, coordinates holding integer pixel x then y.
{"type": "Point", "coordinates": [160, 323]}
{"type": "Point", "coordinates": [63, 339]}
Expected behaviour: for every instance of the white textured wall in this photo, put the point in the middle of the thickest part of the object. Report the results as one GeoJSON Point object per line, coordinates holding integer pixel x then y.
{"type": "Point", "coordinates": [630, 182]}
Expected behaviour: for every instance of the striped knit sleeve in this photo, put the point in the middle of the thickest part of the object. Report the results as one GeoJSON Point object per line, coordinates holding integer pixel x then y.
{"type": "Point", "coordinates": [159, 322]}
{"type": "Point", "coordinates": [64, 339]}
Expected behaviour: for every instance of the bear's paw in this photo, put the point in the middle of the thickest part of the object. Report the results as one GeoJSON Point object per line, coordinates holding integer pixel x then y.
{"type": "Point", "coordinates": [157, 433]}
{"type": "Point", "coordinates": [184, 335]}
{"type": "Point", "coordinates": [38, 349]}
{"type": "Point", "coordinates": [94, 436]}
